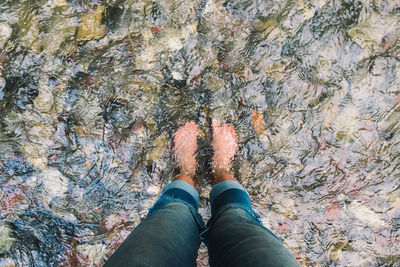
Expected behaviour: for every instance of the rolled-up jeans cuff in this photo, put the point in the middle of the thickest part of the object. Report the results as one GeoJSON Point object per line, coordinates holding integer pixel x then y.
{"type": "Point", "coordinates": [222, 187]}
{"type": "Point", "coordinates": [184, 186]}
{"type": "Point", "coordinates": [180, 191]}
{"type": "Point", "coordinates": [228, 194]}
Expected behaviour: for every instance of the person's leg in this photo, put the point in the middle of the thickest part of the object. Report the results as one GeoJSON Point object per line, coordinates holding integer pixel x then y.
{"type": "Point", "coordinates": [170, 235]}
{"type": "Point", "coordinates": [235, 235]}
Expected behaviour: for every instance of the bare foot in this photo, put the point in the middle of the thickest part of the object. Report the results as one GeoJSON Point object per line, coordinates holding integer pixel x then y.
{"type": "Point", "coordinates": [185, 140]}
{"type": "Point", "coordinates": [225, 147]}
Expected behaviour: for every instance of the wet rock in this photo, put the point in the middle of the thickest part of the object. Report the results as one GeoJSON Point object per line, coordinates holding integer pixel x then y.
{"type": "Point", "coordinates": [284, 205]}
{"type": "Point", "coordinates": [2, 85]}
{"type": "Point", "coordinates": [7, 262]}
{"type": "Point", "coordinates": [91, 27]}
{"type": "Point", "coordinates": [115, 239]}
{"type": "Point", "coordinates": [113, 220]}
{"type": "Point", "coordinates": [257, 121]}
{"type": "Point", "coordinates": [365, 214]}
{"type": "Point", "coordinates": [332, 212]}
{"type": "Point", "coordinates": [44, 100]}
{"type": "Point", "coordinates": [54, 182]}
{"type": "Point", "coordinates": [371, 30]}
{"type": "Point", "coordinates": [5, 33]}
{"type": "Point", "coordinates": [119, 113]}
{"type": "Point", "coordinates": [335, 251]}
{"type": "Point", "coordinates": [5, 238]}
{"type": "Point", "coordinates": [276, 71]}
{"type": "Point", "coordinates": [61, 28]}
{"type": "Point", "coordinates": [145, 60]}
{"type": "Point", "coordinates": [180, 13]}
{"type": "Point", "coordinates": [35, 154]}
{"type": "Point", "coordinates": [346, 123]}
{"type": "Point", "coordinates": [246, 171]}
{"type": "Point", "coordinates": [159, 146]}
{"type": "Point", "coordinates": [60, 2]}
{"type": "Point", "coordinates": [30, 33]}
{"type": "Point", "coordinates": [214, 83]}
{"type": "Point", "coordinates": [12, 199]}
{"type": "Point", "coordinates": [95, 253]}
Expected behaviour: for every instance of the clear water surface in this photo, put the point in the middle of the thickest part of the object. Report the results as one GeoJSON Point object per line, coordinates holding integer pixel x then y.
{"type": "Point", "coordinates": [91, 92]}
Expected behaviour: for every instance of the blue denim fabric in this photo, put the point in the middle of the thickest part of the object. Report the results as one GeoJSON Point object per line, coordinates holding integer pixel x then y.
{"type": "Point", "coordinates": [183, 192]}
{"type": "Point", "coordinates": [170, 235]}
{"type": "Point", "coordinates": [184, 186]}
{"type": "Point", "coordinates": [235, 235]}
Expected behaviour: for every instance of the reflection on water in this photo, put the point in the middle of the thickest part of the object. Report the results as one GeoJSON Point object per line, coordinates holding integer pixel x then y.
{"type": "Point", "coordinates": [92, 91]}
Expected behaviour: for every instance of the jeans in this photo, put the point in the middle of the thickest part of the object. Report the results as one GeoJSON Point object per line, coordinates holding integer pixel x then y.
{"type": "Point", "coordinates": [173, 231]}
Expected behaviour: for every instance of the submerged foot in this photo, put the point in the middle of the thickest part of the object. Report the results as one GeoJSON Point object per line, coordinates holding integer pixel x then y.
{"type": "Point", "coordinates": [185, 140]}
{"type": "Point", "coordinates": [225, 147]}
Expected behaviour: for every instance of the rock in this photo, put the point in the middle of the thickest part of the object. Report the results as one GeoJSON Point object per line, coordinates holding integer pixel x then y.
{"type": "Point", "coordinates": [5, 33]}
{"type": "Point", "coordinates": [335, 251]}
{"type": "Point", "coordinates": [158, 147]}
{"type": "Point", "coordinates": [365, 214]}
{"type": "Point", "coordinates": [91, 27]}
{"type": "Point", "coordinates": [145, 60]}
{"type": "Point", "coordinates": [284, 205]}
{"type": "Point", "coordinates": [35, 154]}
{"type": "Point", "coordinates": [370, 32]}
{"type": "Point", "coordinates": [332, 212]}
{"type": "Point", "coordinates": [31, 35]}
{"type": "Point", "coordinates": [7, 262]}
{"type": "Point", "coordinates": [346, 123]}
{"type": "Point", "coordinates": [5, 238]}
{"type": "Point", "coordinates": [60, 2]}
{"type": "Point", "coordinates": [12, 200]}
{"type": "Point", "coordinates": [94, 253]}
{"type": "Point", "coordinates": [45, 100]}
{"type": "Point", "coordinates": [61, 28]}
{"type": "Point", "coordinates": [257, 121]}
{"type": "Point", "coordinates": [54, 182]}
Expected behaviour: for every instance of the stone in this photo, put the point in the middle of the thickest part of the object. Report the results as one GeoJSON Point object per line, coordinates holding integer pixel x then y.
{"type": "Point", "coordinates": [54, 182]}
{"type": "Point", "coordinates": [45, 100]}
{"type": "Point", "coordinates": [7, 262]}
{"type": "Point", "coordinates": [61, 29]}
{"type": "Point", "coordinates": [257, 121]}
{"type": "Point", "coordinates": [5, 238]}
{"type": "Point", "coordinates": [346, 123]}
{"type": "Point", "coordinates": [335, 251]}
{"type": "Point", "coordinates": [5, 33]}
{"type": "Point", "coordinates": [365, 214]}
{"type": "Point", "coordinates": [370, 32]}
{"type": "Point", "coordinates": [31, 35]}
{"type": "Point", "coordinates": [158, 147]}
{"type": "Point", "coordinates": [95, 253]}
{"type": "Point", "coordinates": [60, 2]}
{"type": "Point", "coordinates": [91, 27]}
{"type": "Point", "coordinates": [35, 154]}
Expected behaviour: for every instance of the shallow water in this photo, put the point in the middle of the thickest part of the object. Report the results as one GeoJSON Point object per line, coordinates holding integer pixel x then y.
{"type": "Point", "coordinates": [92, 91]}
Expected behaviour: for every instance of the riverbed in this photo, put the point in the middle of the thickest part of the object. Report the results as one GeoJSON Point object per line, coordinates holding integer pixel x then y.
{"type": "Point", "coordinates": [91, 92]}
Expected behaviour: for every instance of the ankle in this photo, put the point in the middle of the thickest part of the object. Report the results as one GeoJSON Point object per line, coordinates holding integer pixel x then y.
{"type": "Point", "coordinates": [186, 178]}
{"type": "Point", "coordinates": [220, 176]}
